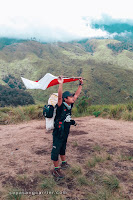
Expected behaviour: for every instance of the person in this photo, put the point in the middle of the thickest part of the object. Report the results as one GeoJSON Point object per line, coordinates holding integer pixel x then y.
{"type": "Point", "coordinates": [62, 125]}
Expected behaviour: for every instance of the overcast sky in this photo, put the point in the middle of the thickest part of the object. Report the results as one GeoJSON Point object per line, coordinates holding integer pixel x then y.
{"type": "Point", "coordinates": [64, 20]}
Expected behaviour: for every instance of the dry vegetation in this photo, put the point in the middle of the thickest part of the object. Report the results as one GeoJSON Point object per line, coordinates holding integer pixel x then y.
{"type": "Point", "coordinates": [99, 150]}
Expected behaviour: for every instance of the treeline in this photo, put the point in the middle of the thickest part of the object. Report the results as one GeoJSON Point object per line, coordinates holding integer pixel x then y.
{"type": "Point", "coordinates": [8, 41]}
{"type": "Point", "coordinates": [119, 47]}
{"type": "Point", "coordinates": [14, 94]}
{"type": "Point", "coordinates": [13, 82]}
{"type": "Point", "coordinates": [14, 97]}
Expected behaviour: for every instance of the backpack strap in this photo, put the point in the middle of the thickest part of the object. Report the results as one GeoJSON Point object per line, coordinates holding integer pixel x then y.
{"type": "Point", "coordinates": [61, 118]}
{"type": "Point", "coordinates": [63, 114]}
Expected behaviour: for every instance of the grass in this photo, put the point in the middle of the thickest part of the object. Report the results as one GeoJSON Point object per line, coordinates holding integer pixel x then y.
{"type": "Point", "coordinates": [76, 170]}
{"type": "Point", "coordinates": [118, 111]}
{"type": "Point", "coordinates": [100, 195]}
{"type": "Point", "coordinates": [94, 160]}
{"type": "Point", "coordinates": [12, 115]}
{"type": "Point", "coordinates": [126, 158]}
{"type": "Point", "coordinates": [82, 180]}
{"type": "Point", "coordinates": [48, 183]}
{"type": "Point", "coordinates": [75, 144]}
{"type": "Point", "coordinates": [97, 148]}
{"type": "Point", "coordinates": [111, 182]}
{"type": "Point", "coordinates": [14, 195]}
{"type": "Point", "coordinates": [99, 185]}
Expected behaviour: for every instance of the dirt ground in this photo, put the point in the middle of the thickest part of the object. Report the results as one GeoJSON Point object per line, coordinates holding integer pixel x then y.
{"type": "Point", "coordinates": [25, 148]}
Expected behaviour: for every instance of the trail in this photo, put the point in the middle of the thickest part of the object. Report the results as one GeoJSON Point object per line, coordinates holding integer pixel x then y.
{"type": "Point", "coordinates": [25, 148]}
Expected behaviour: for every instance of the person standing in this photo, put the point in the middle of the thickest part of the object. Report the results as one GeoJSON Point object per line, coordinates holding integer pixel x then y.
{"type": "Point", "coordinates": [62, 125]}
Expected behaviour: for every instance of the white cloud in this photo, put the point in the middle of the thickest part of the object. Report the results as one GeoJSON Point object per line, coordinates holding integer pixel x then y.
{"type": "Point", "coordinates": [57, 19]}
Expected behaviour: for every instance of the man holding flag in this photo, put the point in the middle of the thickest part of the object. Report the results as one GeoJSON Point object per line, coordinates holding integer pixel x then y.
{"type": "Point", "coordinates": [62, 125]}
{"type": "Point", "coordinates": [62, 121]}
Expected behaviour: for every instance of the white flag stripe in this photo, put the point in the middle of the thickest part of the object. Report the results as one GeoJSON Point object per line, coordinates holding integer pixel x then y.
{"type": "Point", "coordinates": [30, 84]}
{"type": "Point", "coordinates": [41, 84]}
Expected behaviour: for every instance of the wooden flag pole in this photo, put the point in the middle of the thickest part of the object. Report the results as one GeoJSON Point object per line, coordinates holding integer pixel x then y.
{"type": "Point", "coordinates": [73, 77]}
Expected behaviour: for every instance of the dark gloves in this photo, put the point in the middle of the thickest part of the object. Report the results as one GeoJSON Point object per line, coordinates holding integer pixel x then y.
{"type": "Point", "coordinates": [73, 122]}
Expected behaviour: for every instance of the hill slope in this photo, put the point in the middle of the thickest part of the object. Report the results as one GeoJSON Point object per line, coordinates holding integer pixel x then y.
{"type": "Point", "coordinates": [108, 73]}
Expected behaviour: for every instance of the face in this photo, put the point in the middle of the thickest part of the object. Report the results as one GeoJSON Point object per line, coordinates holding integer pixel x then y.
{"type": "Point", "coordinates": [69, 100]}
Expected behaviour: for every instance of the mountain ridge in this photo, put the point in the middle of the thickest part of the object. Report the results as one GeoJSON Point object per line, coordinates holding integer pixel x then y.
{"type": "Point", "coordinates": [108, 74]}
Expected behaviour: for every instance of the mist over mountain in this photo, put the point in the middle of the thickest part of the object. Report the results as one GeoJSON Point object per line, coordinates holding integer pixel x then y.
{"type": "Point", "coordinates": [67, 29]}
{"type": "Point", "coordinates": [117, 28]}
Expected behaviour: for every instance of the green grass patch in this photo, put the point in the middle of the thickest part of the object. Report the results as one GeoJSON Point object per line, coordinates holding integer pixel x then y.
{"type": "Point", "coordinates": [82, 180]}
{"type": "Point", "coordinates": [75, 144]}
{"type": "Point", "coordinates": [14, 195]}
{"type": "Point", "coordinates": [76, 170]}
{"type": "Point", "coordinates": [118, 111]}
{"type": "Point", "coordinates": [100, 195]}
{"type": "Point", "coordinates": [97, 148]}
{"type": "Point", "coordinates": [48, 183]}
{"type": "Point", "coordinates": [96, 159]}
{"type": "Point", "coordinates": [126, 158]}
{"type": "Point", "coordinates": [108, 157]}
{"type": "Point", "coordinates": [12, 115]}
{"type": "Point", "coordinates": [96, 113]}
{"type": "Point", "coordinates": [111, 182]}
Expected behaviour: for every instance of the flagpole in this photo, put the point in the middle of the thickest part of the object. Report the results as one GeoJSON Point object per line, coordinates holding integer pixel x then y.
{"type": "Point", "coordinates": [73, 77]}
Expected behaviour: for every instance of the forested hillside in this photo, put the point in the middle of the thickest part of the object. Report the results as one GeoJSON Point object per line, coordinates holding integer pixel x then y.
{"type": "Point", "coordinates": [107, 66]}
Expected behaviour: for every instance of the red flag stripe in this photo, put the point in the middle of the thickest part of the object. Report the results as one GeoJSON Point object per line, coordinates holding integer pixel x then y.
{"type": "Point", "coordinates": [55, 81]}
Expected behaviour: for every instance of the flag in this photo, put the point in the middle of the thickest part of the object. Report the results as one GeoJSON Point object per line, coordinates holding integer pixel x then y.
{"type": "Point", "coordinates": [47, 81]}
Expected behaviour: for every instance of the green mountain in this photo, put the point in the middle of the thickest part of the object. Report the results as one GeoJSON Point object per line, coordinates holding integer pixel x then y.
{"type": "Point", "coordinates": [107, 66]}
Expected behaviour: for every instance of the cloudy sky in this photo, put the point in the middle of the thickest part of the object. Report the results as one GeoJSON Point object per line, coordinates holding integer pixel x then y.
{"type": "Point", "coordinates": [65, 20]}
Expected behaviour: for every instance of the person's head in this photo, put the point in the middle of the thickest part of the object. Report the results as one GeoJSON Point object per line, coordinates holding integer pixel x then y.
{"type": "Point", "coordinates": [68, 97]}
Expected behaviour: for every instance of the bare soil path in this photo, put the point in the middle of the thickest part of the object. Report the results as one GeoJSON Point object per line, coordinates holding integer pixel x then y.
{"type": "Point", "coordinates": [25, 148]}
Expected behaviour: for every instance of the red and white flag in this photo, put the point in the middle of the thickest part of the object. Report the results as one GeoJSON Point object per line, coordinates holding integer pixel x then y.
{"type": "Point", "coordinates": [47, 81]}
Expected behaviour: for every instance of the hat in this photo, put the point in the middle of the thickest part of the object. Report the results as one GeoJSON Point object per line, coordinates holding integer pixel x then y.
{"type": "Point", "coordinates": [66, 94]}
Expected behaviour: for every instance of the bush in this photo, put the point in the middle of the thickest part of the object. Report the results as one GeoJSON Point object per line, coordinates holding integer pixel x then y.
{"type": "Point", "coordinates": [97, 113]}
{"type": "Point", "coordinates": [130, 107]}
{"type": "Point", "coordinates": [14, 97]}
{"type": "Point", "coordinates": [11, 115]}
{"type": "Point", "coordinates": [82, 104]}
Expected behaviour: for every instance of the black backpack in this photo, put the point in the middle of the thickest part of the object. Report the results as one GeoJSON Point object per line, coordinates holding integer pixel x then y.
{"type": "Point", "coordinates": [48, 111]}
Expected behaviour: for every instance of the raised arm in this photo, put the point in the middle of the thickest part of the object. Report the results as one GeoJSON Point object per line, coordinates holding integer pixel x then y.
{"type": "Point", "coordinates": [79, 89]}
{"type": "Point", "coordinates": [60, 80]}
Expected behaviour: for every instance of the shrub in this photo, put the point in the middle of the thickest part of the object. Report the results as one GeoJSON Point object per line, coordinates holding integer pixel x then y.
{"type": "Point", "coordinates": [14, 97]}
{"type": "Point", "coordinates": [97, 113]}
{"type": "Point", "coordinates": [82, 104]}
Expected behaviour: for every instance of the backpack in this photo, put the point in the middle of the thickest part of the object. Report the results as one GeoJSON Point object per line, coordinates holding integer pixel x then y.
{"type": "Point", "coordinates": [49, 111]}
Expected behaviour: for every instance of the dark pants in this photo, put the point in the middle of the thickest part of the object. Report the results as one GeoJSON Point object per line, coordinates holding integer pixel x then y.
{"type": "Point", "coordinates": [59, 144]}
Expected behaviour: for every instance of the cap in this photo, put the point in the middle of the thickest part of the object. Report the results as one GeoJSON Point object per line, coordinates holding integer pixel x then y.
{"type": "Point", "coordinates": [66, 94]}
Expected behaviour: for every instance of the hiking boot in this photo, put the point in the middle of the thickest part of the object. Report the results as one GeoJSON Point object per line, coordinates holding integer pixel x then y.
{"type": "Point", "coordinates": [65, 165]}
{"type": "Point", "coordinates": [57, 174]}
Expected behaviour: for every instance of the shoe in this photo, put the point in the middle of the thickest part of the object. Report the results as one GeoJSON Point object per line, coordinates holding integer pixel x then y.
{"type": "Point", "coordinates": [57, 174]}
{"type": "Point", "coordinates": [65, 165]}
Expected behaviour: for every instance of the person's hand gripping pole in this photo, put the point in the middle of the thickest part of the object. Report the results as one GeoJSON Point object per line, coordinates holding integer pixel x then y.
{"type": "Point", "coordinates": [60, 81]}
{"type": "Point", "coordinates": [80, 81]}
